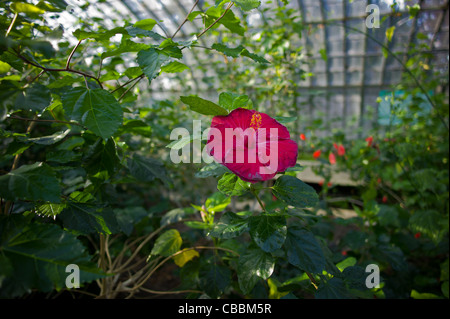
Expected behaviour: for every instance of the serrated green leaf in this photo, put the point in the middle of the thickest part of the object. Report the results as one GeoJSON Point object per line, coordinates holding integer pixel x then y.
{"type": "Point", "coordinates": [35, 98]}
{"type": "Point", "coordinates": [213, 169]}
{"type": "Point", "coordinates": [268, 231]}
{"type": "Point", "coordinates": [203, 106]}
{"type": "Point", "coordinates": [168, 243]}
{"type": "Point", "coordinates": [247, 5]}
{"type": "Point", "coordinates": [217, 202]}
{"type": "Point", "coordinates": [252, 266]}
{"type": "Point", "coordinates": [38, 255]}
{"type": "Point", "coordinates": [102, 156]}
{"type": "Point", "coordinates": [427, 222]}
{"type": "Point", "coordinates": [332, 289]}
{"type": "Point", "coordinates": [174, 67]}
{"type": "Point", "coordinates": [238, 51]}
{"type": "Point", "coordinates": [96, 109]}
{"type": "Point", "coordinates": [214, 279]}
{"type": "Point", "coordinates": [147, 169]}
{"type": "Point", "coordinates": [294, 192]}
{"type": "Point", "coordinates": [146, 24]}
{"type": "Point", "coordinates": [231, 185]}
{"type": "Point", "coordinates": [186, 255]}
{"type": "Point", "coordinates": [151, 61]}
{"type": "Point", "coordinates": [303, 250]}
{"type": "Point", "coordinates": [31, 182]}
{"type": "Point", "coordinates": [230, 225]}
{"type": "Point", "coordinates": [19, 7]}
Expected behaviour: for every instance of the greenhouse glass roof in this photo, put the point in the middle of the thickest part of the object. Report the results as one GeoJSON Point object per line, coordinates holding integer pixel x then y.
{"type": "Point", "coordinates": [349, 67]}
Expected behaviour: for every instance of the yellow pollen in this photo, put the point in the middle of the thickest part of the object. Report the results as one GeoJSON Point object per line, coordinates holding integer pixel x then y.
{"type": "Point", "coordinates": [255, 122]}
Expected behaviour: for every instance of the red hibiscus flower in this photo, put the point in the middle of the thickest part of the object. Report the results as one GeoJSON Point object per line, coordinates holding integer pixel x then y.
{"type": "Point", "coordinates": [251, 144]}
{"type": "Point", "coordinates": [369, 141]}
{"type": "Point", "coordinates": [332, 158]}
{"type": "Point", "coordinates": [340, 149]}
{"type": "Point", "coordinates": [316, 154]}
{"type": "Point", "coordinates": [302, 137]}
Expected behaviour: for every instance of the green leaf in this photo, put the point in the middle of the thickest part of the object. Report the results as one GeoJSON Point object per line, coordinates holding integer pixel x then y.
{"type": "Point", "coordinates": [238, 51]}
{"type": "Point", "coordinates": [247, 5]}
{"type": "Point", "coordinates": [35, 98]}
{"type": "Point", "coordinates": [252, 266]}
{"type": "Point", "coordinates": [214, 279]}
{"type": "Point", "coordinates": [231, 185]}
{"type": "Point", "coordinates": [49, 209]}
{"type": "Point", "coordinates": [294, 192]}
{"type": "Point", "coordinates": [390, 33]}
{"type": "Point", "coordinates": [19, 7]}
{"type": "Point", "coordinates": [213, 169]}
{"type": "Point", "coordinates": [146, 24]}
{"type": "Point", "coordinates": [147, 169]}
{"type": "Point", "coordinates": [135, 127]}
{"type": "Point", "coordinates": [38, 255]}
{"type": "Point", "coordinates": [268, 231]}
{"type": "Point", "coordinates": [303, 250]}
{"type": "Point", "coordinates": [168, 243]}
{"type": "Point", "coordinates": [174, 67]}
{"type": "Point", "coordinates": [4, 67]}
{"type": "Point", "coordinates": [428, 222]}
{"type": "Point", "coordinates": [151, 61]}
{"type": "Point", "coordinates": [230, 225]}
{"type": "Point", "coordinates": [332, 289]}
{"type": "Point", "coordinates": [217, 202]}
{"type": "Point", "coordinates": [285, 119]}
{"type": "Point", "coordinates": [49, 139]}
{"type": "Point", "coordinates": [187, 255]}
{"type": "Point", "coordinates": [82, 213]}
{"type": "Point", "coordinates": [203, 106]}
{"type": "Point", "coordinates": [229, 20]}
{"type": "Point", "coordinates": [102, 156]}
{"type": "Point", "coordinates": [31, 182]}
{"type": "Point", "coordinates": [231, 101]}
{"type": "Point", "coordinates": [97, 109]}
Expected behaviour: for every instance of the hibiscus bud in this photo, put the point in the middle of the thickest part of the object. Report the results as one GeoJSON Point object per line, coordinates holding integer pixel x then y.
{"type": "Point", "coordinates": [332, 158]}
{"type": "Point", "coordinates": [316, 154]}
{"type": "Point", "coordinates": [369, 141]}
{"type": "Point", "coordinates": [302, 137]}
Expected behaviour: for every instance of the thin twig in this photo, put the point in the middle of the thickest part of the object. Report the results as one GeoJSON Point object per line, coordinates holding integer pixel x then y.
{"type": "Point", "coordinates": [20, 56]}
{"type": "Point", "coordinates": [35, 119]}
{"type": "Point", "coordinates": [126, 83]}
{"type": "Point", "coordinates": [185, 19]}
{"type": "Point", "coordinates": [218, 19]}
{"type": "Point", "coordinates": [11, 25]}
{"type": "Point", "coordinates": [71, 55]}
{"type": "Point", "coordinates": [131, 87]}
{"type": "Point", "coordinates": [313, 280]}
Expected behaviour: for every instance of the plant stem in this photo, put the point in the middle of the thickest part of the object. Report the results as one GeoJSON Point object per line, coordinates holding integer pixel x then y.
{"type": "Point", "coordinates": [218, 19]}
{"type": "Point", "coordinates": [67, 69]}
{"type": "Point", "coordinates": [254, 192]}
{"type": "Point", "coordinates": [312, 279]}
{"type": "Point", "coordinates": [11, 25]}
{"type": "Point", "coordinates": [35, 119]}
{"type": "Point", "coordinates": [185, 19]}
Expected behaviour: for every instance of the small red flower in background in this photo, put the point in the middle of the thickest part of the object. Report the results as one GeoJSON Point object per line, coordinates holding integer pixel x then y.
{"type": "Point", "coordinates": [302, 137]}
{"type": "Point", "coordinates": [417, 235]}
{"type": "Point", "coordinates": [384, 199]}
{"type": "Point", "coordinates": [340, 149]}
{"type": "Point", "coordinates": [369, 141]}
{"type": "Point", "coordinates": [344, 253]}
{"type": "Point", "coordinates": [317, 153]}
{"type": "Point", "coordinates": [321, 183]}
{"type": "Point", "coordinates": [332, 158]}
{"type": "Point", "coordinates": [256, 142]}
{"type": "Point", "coordinates": [329, 184]}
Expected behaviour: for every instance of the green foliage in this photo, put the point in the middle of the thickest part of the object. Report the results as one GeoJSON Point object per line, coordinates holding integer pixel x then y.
{"type": "Point", "coordinates": [85, 176]}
